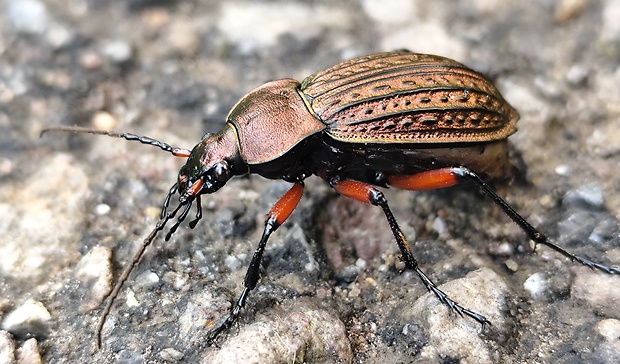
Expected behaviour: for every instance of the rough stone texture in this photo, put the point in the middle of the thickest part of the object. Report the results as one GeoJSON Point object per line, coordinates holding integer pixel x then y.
{"type": "Point", "coordinates": [7, 348]}
{"type": "Point", "coordinates": [297, 332]}
{"type": "Point", "coordinates": [74, 208]}
{"type": "Point", "coordinates": [29, 353]}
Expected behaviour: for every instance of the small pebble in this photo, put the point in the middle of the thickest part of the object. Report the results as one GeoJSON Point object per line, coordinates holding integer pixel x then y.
{"type": "Point", "coordinates": [566, 10]}
{"type": "Point", "coordinates": [348, 274]}
{"type": "Point", "coordinates": [28, 16]}
{"type": "Point", "coordinates": [102, 209]}
{"type": "Point", "coordinates": [440, 227]}
{"type": "Point", "coordinates": [390, 12]}
{"type": "Point", "coordinates": [361, 263]}
{"type": "Point", "coordinates": [610, 26]}
{"type": "Point", "coordinates": [146, 280]}
{"type": "Point", "coordinates": [590, 195]}
{"type": "Point", "coordinates": [90, 60]}
{"type": "Point", "coordinates": [609, 329]}
{"type": "Point", "coordinates": [232, 263]}
{"type": "Point", "coordinates": [59, 36]}
{"type": "Point", "coordinates": [536, 285]}
{"type": "Point", "coordinates": [117, 51]}
{"type": "Point", "coordinates": [131, 300]}
{"type": "Point", "coordinates": [505, 249]}
{"type": "Point", "coordinates": [129, 357]}
{"type": "Point", "coordinates": [607, 336]}
{"type": "Point", "coordinates": [512, 265]}
{"type": "Point", "coordinates": [176, 280]}
{"type": "Point", "coordinates": [171, 355]}
{"type": "Point", "coordinates": [577, 75]}
{"type": "Point", "coordinates": [30, 318]}
{"type": "Point", "coordinates": [95, 271]}
{"type": "Point", "coordinates": [6, 166]}
{"type": "Point", "coordinates": [104, 121]}
{"type": "Point", "coordinates": [199, 255]}
{"type": "Point", "coordinates": [604, 140]}
{"type": "Point", "coordinates": [29, 353]}
{"type": "Point", "coordinates": [355, 291]}
{"type": "Point", "coordinates": [562, 170]}
{"type": "Point", "coordinates": [370, 281]}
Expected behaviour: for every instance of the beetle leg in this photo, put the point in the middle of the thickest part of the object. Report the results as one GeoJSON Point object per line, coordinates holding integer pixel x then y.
{"type": "Point", "coordinates": [192, 224]}
{"type": "Point", "coordinates": [369, 194]}
{"type": "Point", "coordinates": [166, 203]}
{"type": "Point", "coordinates": [276, 217]}
{"type": "Point", "coordinates": [445, 177]}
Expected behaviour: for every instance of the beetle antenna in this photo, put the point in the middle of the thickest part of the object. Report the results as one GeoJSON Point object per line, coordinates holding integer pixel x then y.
{"type": "Point", "coordinates": [130, 267]}
{"type": "Point", "coordinates": [177, 152]}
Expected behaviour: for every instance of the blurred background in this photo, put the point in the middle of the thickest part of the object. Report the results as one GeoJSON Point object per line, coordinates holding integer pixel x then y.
{"type": "Point", "coordinates": [74, 207]}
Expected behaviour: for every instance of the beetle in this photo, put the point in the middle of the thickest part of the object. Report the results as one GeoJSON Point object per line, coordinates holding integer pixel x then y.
{"type": "Point", "coordinates": [399, 119]}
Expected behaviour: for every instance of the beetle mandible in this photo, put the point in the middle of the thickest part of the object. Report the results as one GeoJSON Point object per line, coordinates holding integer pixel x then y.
{"type": "Point", "coordinates": [400, 119]}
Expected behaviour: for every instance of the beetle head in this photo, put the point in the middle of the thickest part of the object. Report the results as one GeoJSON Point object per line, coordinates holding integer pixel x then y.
{"type": "Point", "coordinates": [210, 165]}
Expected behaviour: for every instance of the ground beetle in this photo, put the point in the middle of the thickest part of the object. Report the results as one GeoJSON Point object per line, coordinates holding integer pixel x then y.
{"type": "Point", "coordinates": [399, 119]}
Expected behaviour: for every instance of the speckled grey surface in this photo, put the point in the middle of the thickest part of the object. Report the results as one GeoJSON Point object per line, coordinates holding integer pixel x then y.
{"type": "Point", "coordinates": [74, 207]}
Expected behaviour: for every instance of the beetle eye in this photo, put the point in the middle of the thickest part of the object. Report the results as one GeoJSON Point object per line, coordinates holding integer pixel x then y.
{"type": "Point", "coordinates": [221, 171]}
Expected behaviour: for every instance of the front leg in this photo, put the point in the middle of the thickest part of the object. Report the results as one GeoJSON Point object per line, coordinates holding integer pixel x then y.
{"type": "Point", "coordinates": [276, 217]}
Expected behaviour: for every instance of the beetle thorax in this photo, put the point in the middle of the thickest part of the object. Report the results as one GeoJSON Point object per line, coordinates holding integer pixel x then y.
{"type": "Point", "coordinates": [271, 119]}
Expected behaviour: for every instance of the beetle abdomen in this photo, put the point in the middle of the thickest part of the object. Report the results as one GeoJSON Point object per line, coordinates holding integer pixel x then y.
{"type": "Point", "coordinates": [404, 97]}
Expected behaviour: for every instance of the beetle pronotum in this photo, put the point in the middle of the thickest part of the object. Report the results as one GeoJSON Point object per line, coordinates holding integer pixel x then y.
{"type": "Point", "coordinates": [399, 119]}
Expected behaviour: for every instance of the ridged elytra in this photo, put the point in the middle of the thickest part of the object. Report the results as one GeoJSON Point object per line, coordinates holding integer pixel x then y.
{"type": "Point", "coordinates": [399, 119]}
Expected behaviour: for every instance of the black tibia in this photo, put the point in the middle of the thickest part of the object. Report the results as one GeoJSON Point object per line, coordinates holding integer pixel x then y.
{"type": "Point", "coordinates": [377, 198]}
{"type": "Point", "coordinates": [249, 283]}
{"type": "Point", "coordinates": [276, 217]}
{"type": "Point", "coordinates": [531, 231]}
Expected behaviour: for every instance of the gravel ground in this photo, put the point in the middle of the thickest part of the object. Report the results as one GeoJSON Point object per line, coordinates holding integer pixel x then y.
{"type": "Point", "coordinates": [74, 207]}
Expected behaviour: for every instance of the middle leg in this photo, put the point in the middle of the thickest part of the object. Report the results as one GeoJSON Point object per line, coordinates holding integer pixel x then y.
{"type": "Point", "coordinates": [369, 194]}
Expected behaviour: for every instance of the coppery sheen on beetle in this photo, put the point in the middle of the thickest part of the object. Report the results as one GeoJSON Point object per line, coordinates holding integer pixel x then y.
{"type": "Point", "coordinates": [383, 99]}
{"type": "Point", "coordinates": [400, 119]}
